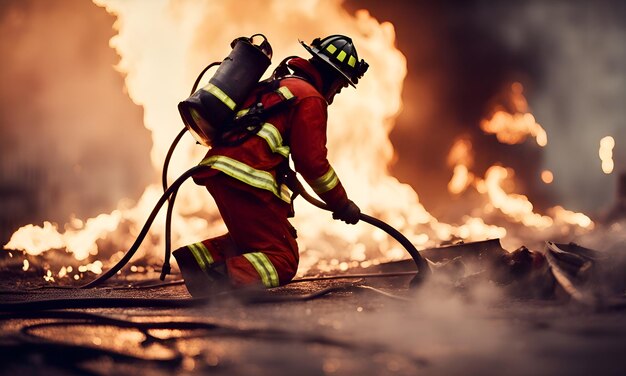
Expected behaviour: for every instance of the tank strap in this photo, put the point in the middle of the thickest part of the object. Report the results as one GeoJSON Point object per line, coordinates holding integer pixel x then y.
{"type": "Point", "coordinates": [249, 121]}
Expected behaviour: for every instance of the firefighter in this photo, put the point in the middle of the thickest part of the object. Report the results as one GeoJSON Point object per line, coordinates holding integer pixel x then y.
{"type": "Point", "coordinates": [260, 247]}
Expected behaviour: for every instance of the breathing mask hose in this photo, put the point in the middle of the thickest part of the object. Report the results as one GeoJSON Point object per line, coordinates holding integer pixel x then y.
{"type": "Point", "coordinates": [146, 227]}
{"type": "Point", "coordinates": [165, 270]}
{"type": "Point", "coordinates": [182, 132]}
{"type": "Point", "coordinates": [169, 156]}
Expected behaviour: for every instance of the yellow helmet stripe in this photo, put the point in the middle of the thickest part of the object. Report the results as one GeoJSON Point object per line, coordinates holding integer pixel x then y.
{"type": "Point", "coordinates": [352, 61]}
{"type": "Point", "coordinates": [341, 56]}
{"type": "Point", "coordinates": [331, 48]}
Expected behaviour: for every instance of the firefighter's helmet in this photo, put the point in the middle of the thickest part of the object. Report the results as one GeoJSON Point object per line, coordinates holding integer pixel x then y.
{"type": "Point", "coordinates": [339, 53]}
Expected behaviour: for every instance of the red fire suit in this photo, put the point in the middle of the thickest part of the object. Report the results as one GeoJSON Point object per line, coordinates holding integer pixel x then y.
{"type": "Point", "coordinates": [260, 246]}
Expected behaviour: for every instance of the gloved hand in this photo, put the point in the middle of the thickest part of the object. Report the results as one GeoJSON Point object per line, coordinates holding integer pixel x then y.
{"type": "Point", "coordinates": [349, 214]}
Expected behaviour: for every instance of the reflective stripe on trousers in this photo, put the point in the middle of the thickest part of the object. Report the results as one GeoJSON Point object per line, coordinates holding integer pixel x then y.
{"type": "Point", "coordinates": [265, 268]}
{"type": "Point", "coordinates": [201, 254]}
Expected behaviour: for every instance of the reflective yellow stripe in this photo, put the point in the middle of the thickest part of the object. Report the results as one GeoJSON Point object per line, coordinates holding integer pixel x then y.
{"type": "Point", "coordinates": [201, 254]}
{"type": "Point", "coordinates": [331, 48]}
{"type": "Point", "coordinates": [242, 172]}
{"type": "Point", "coordinates": [285, 193]}
{"type": "Point", "coordinates": [326, 182]}
{"type": "Point", "coordinates": [205, 251]}
{"type": "Point", "coordinates": [272, 136]}
{"type": "Point", "coordinates": [195, 115]}
{"type": "Point", "coordinates": [264, 267]}
{"type": "Point", "coordinates": [285, 92]}
{"type": "Point", "coordinates": [242, 112]}
{"type": "Point", "coordinates": [341, 56]}
{"type": "Point", "coordinates": [219, 94]}
{"type": "Point", "coordinates": [352, 61]}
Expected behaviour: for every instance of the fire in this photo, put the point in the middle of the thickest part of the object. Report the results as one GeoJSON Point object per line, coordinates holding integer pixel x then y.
{"type": "Point", "coordinates": [565, 216]}
{"type": "Point", "coordinates": [499, 183]}
{"type": "Point", "coordinates": [516, 206]}
{"type": "Point", "coordinates": [513, 127]}
{"type": "Point", "coordinates": [79, 238]}
{"type": "Point", "coordinates": [163, 45]}
{"type": "Point", "coordinates": [606, 154]}
{"type": "Point", "coordinates": [461, 158]}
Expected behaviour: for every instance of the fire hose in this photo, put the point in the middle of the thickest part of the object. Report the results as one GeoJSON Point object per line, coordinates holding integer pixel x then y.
{"type": "Point", "coordinates": [170, 195]}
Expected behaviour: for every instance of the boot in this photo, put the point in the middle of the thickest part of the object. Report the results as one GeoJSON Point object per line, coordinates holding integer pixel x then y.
{"type": "Point", "coordinates": [200, 282]}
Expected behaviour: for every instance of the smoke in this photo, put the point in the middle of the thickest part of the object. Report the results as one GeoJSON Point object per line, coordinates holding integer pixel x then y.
{"type": "Point", "coordinates": [436, 331]}
{"type": "Point", "coordinates": [580, 94]}
{"type": "Point", "coordinates": [70, 140]}
{"type": "Point", "coordinates": [438, 326]}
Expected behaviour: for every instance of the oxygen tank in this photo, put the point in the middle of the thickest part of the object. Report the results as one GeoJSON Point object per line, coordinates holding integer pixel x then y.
{"type": "Point", "coordinates": [207, 112]}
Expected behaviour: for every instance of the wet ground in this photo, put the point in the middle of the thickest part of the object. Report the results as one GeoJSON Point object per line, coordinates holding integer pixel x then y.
{"type": "Point", "coordinates": [365, 326]}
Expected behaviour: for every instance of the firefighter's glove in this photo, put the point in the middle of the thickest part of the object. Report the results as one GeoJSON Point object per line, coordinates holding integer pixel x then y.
{"type": "Point", "coordinates": [349, 214]}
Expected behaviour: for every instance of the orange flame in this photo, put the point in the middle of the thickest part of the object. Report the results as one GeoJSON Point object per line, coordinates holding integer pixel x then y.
{"type": "Point", "coordinates": [517, 207]}
{"type": "Point", "coordinates": [79, 239]}
{"type": "Point", "coordinates": [461, 158]}
{"type": "Point", "coordinates": [513, 128]}
{"type": "Point", "coordinates": [499, 184]}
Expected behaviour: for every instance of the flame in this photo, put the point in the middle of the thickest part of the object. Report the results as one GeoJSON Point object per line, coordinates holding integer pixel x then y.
{"type": "Point", "coordinates": [461, 158]}
{"type": "Point", "coordinates": [568, 217]}
{"type": "Point", "coordinates": [163, 44]}
{"type": "Point", "coordinates": [498, 184]}
{"type": "Point", "coordinates": [606, 154]}
{"type": "Point", "coordinates": [516, 206]}
{"type": "Point", "coordinates": [79, 239]}
{"type": "Point", "coordinates": [513, 127]}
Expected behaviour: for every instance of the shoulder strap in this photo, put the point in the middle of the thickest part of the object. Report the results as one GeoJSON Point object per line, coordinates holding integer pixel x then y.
{"type": "Point", "coordinates": [249, 121]}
